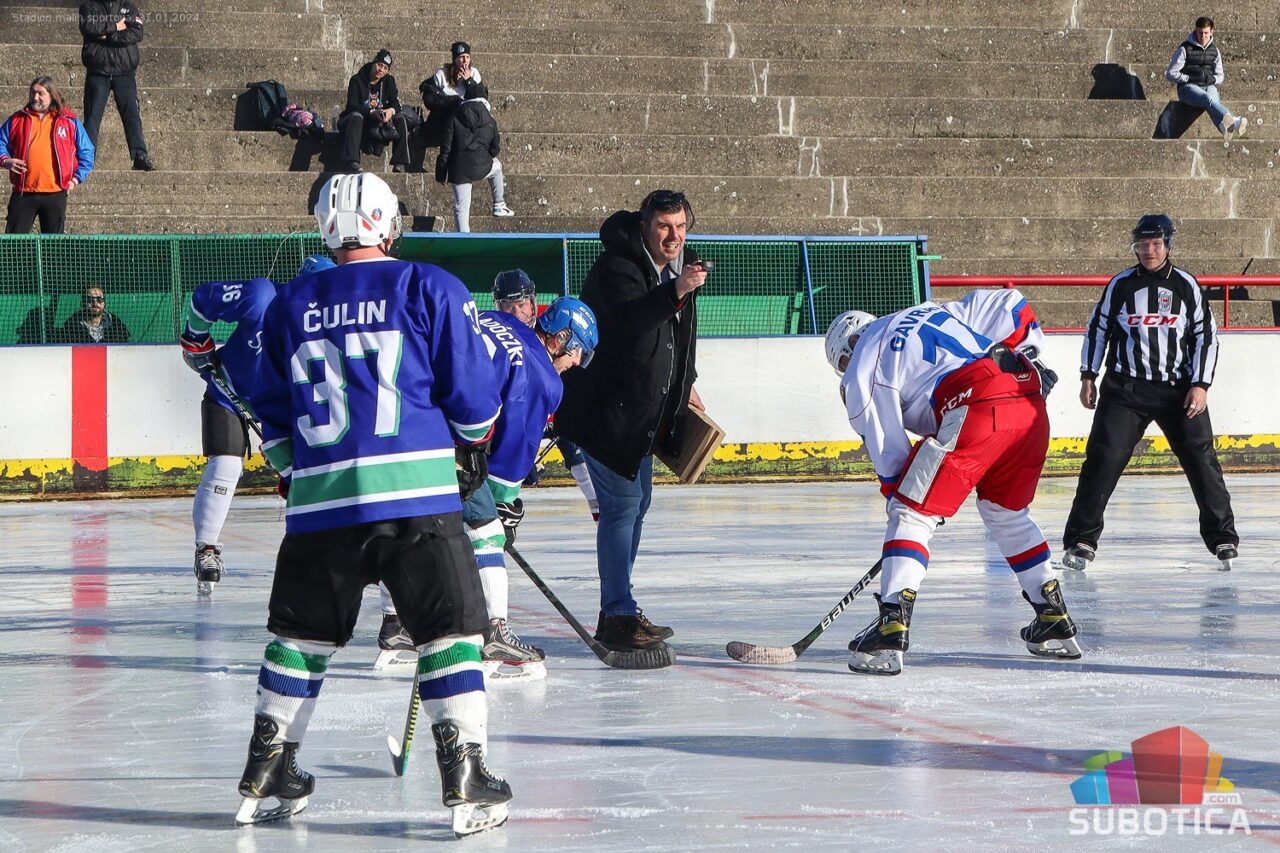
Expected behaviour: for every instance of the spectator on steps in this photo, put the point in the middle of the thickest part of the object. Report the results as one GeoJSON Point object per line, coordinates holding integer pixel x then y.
{"type": "Point", "coordinates": [111, 33]}
{"type": "Point", "coordinates": [442, 93]}
{"type": "Point", "coordinates": [48, 153]}
{"type": "Point", "coordinates": [93, 323]}
{"type": "Point", "coordinates": [372, 116]}
{"type": "Point", "coordinates": [469, 153]}
{"type": "Point", "coordinates": [1196, 69]}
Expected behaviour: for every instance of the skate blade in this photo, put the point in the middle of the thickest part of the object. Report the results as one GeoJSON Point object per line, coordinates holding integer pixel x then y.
{"type": "Point", "coordinates": [507, 671]}
{"type": "Point", "coordinates": [1067, 649]}
{"type": "Point", "coordinates": [1224, 565]}
{"type": "Point", "coordinates": [470, 818]}
{"type": "Point", "coordinates": [395, 660]}
{"type": "Point", "coordinates": [205, 587]}
{"type": "Point", "coordinates": [1074, 564]}
{"type": "Point", "coordinates": [251, 810]}
{"type": "Point", "coordinates": [885, 662]}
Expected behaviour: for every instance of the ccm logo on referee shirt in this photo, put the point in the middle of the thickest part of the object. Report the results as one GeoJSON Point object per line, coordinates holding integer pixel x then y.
{"type": "Point", "coordinates": [1152, 320]}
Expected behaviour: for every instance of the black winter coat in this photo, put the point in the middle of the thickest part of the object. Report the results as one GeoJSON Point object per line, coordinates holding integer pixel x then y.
{"type": "Point", "coordinates": [470, 143]}
{"type": "Point", "coordinates": [359, 88]}
{"type": "Point", "coordinates": [75, 330]}
{"type": "Point", "coordinates": [628, 400]}
{"type": "Point", "coordinates": [116, 54]}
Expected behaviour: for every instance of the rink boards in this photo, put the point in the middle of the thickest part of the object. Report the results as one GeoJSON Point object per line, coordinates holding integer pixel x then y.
{"type": "Point", "coordinates": [91, 419]}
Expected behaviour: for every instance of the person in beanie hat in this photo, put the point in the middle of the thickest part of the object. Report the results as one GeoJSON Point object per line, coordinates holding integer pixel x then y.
{"type": "Point", "coordinates": [442, 93]}
{"type": "Point", "coordinates": [469, 153]}
{"type": "Point", "coordinates": [372, 117]}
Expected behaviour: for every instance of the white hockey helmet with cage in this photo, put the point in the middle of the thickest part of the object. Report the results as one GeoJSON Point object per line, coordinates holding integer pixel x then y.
{"type": "Point", "coordinates": [840, 332]}
{"type": "Point", "coordinates": [357, 210]}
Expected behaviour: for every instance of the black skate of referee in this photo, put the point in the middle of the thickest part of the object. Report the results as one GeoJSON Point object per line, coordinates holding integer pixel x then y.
{"type": "Point", "coordinates": [1161, 348]}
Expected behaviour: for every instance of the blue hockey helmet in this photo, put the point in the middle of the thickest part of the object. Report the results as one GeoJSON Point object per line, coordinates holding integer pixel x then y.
{"type": "Point", "coordinates": [574, 324]}
{"type": "Point", "coordinates": [511, 285]}
{"type": "Point", "coordinates": [316, 263]}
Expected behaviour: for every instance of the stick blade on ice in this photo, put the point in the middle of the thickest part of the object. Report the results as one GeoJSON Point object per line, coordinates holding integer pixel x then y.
{"type": "Point", "coordinates": [658, 657]}
{"type": "Point", "coordinates": [750, 653]}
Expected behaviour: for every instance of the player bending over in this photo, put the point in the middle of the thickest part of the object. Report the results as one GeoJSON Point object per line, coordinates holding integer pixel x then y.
{"type": "Point", "coordinates": [372, 373]}
{"type": "Point", "coordinates": [224, 432]}
{"type": "Point", "coordinates": [961, 375]}
{"type": "Point", "coordinates": [528, 363]}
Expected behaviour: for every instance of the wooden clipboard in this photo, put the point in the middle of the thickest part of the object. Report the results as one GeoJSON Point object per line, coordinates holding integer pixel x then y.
{"type": "Point", "coordinates": [699, 438]}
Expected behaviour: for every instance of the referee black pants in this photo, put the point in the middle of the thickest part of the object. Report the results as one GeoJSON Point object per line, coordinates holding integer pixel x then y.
{"type": "Point", "coordinates": [1126, 407]}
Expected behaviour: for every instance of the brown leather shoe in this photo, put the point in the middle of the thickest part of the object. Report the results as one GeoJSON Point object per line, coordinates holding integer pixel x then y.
{"type": "Point", "coordinates": [624, 634]}
{"type": "Point", "coordinates": [661, 632]}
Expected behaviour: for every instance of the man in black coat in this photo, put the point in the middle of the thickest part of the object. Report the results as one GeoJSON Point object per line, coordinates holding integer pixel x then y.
{"type": "Point", "coordinates": [373, 116]}
{"type": "Point", "coordinates": [111, 33]}
{"type": "Point", "coordinates": [640, 381]}
{"type": "Point", "coordinates": [93, 323]}
{"type": "Point", "coordinates": [469, 153]}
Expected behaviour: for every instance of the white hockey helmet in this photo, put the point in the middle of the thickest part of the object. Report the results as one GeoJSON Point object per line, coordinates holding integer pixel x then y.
{"type": "Point", "coordinates": [839, 333]}
{"type": "Point", "coordinates": [357, 210]}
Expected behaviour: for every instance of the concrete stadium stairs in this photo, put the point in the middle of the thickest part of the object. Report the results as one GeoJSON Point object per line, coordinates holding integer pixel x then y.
{"type": "Point", "coordinates": [968, 122]}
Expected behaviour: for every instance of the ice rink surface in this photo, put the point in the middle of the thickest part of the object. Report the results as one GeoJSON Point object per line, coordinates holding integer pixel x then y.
{"type": "Point", "coordinates": [126, 703]}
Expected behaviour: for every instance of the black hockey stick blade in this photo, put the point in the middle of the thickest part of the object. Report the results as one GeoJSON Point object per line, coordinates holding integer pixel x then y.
{"type": "Point", "coordinates": [400, 748]}
{"type": "Point", "coordinates": [751, 653]}
{"type": "Point", "coordinates": [658, 657]}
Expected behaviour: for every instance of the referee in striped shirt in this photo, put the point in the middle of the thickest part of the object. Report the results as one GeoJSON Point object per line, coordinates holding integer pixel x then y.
{"type": "Point", "coordinates": [1161, 347]}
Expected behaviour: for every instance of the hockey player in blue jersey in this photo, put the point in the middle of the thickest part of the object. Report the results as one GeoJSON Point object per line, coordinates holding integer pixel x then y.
{"type": "Point", "coordinates": [372, 375]}
{"type": "Point", "coordinates": [224, 434]}
{"type": "Point", "coordinates": [528, 362]}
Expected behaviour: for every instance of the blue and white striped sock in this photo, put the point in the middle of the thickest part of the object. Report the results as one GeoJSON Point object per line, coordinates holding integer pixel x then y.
{"type": "Point", "coordinates": [289, 682]}
{"type": "Point", "coordinates": [451, 685]}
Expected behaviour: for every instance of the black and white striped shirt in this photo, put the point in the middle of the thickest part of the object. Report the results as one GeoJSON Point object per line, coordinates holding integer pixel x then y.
{"type": "Point", "coordinates": [1152, 325]}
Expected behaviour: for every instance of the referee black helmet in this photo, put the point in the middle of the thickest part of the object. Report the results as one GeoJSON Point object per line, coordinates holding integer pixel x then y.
{"type": "Point", "coordinates": [1155, 225]}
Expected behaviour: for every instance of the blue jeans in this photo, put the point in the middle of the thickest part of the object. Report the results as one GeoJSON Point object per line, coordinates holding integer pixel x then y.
{"type": "Point", "coordinates": [1204, 97]}
{"type": "Point", "coordinates": [623, 504]}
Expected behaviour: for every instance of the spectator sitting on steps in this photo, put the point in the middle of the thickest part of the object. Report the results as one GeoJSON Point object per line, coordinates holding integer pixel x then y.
{"type": "Point", "coordinates": [469, 153]}
{"type": "Point", "coordinates": [93, 323]}
{"type": "Point", "coordinates": [1196, 69]}
{"type": "Point", "coordinates": [372, 116]}
{"type": "Point", "coordinates": [442, 92]}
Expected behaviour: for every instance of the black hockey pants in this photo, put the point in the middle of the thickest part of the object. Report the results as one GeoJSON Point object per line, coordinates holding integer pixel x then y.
{"type": "Point", "coordinates": [1126, 408]}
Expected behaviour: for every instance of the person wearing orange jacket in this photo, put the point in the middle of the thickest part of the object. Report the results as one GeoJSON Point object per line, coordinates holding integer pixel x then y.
{"type": "Point", "coordinates": [47, 152]}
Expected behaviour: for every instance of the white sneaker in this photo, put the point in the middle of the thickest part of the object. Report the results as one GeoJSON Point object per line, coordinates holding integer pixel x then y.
{"type": "Point", "coordinates": [1229, 127]}
{"type": "Point", "coordinates": [503, 210]}
{"type": "Point", "coordinates": [1241, 124]}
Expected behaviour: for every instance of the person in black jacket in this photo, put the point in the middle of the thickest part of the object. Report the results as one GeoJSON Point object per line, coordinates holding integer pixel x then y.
{"type": "Point", "coordinates": [444, 91]}
{"type": "Point", "coordinates": [640, 381]}
{"type": "Point", "coordinates": [1157, 335]}
{"type": "Point", "coordinates": [93, 323]}
{"type": "Point", "coordinates": [1196, 69]}
{"type": "Point", "coordinates": [111, 33]}
{"type": "Point", "coordinates": [469, 153]}
{"type": "Point", "coordinates": [372, 117]}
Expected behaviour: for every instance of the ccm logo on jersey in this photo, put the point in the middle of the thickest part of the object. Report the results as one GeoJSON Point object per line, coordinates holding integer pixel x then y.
{"type": "Point", "coordinates": [1152, 320]}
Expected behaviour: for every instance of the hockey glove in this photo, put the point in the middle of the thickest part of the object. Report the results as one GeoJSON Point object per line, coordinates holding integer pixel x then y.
{"type": "Point", "coordinates": [1048, 377]}
{"type": "Point", "coordinates": [535, 475]}
{"type": "Point", "coordinates": [511, 515]}
{"type": "Point", "coordinates": [282, 487]}
{"type": "Point", "coordinates": [473, 467]}
{"type": "Point", "coordinates": [199, 354]}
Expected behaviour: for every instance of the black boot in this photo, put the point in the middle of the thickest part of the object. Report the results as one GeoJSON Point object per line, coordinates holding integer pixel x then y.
{"type": "Point", "coordinates": [879, 648]}
{"type": "Point", "coordinates": [272, 771]}
{"type": "Point", "coordinates": [624, 634]}
{"type": "Point", "coordinates": [1052, 633]}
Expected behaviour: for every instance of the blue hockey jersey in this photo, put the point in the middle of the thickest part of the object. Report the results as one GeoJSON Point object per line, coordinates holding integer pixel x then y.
{"type": "Point", "coordinates": [531, 391]}
{"type": "Point", "coordinates": [371, 373]}
{"type": "Point", "coordinates": [242, 303]}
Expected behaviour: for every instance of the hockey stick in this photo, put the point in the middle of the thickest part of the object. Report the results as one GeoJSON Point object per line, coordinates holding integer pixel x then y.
{"type": "Point", "coordinates": [748, 653]}
{"type": "Point", "coordinates": [400, 748]}
{"type": "Point", "coordinates": [215, 376]}
{"type": "Point", "coordinates": [655, 658]}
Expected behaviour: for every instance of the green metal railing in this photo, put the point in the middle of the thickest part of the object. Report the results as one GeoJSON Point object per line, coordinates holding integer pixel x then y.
{"type": "Point", "coordinates": [761, 286]}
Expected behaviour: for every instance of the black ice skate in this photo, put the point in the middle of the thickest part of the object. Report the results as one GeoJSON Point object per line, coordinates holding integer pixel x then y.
{"type": "Point", "coordinates": [395, 646]}
{"type": "Point", "coordinates": [1052, 633]}
{"type": "Point", "coordinates": [209, 568]}
{"type": "Point", "coordinates": [1227, 555]}
{"type": "Point", "coordinates": [1078, 557]}
{"type": "Point", "coordinates": [272, 772]}
{"type": "Point", "coordinates": [477, 797]}
{"type": "Point", "coordinates": [878, 649]}
{"type": "Point", "coordinates": [506, 657]}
